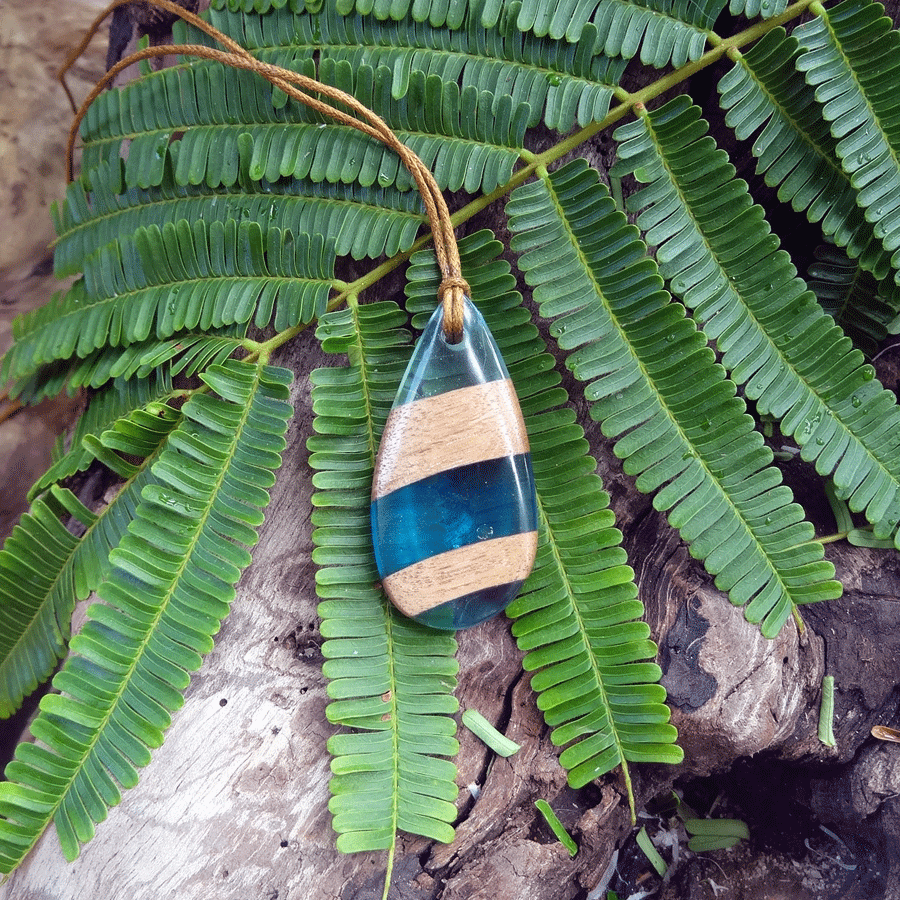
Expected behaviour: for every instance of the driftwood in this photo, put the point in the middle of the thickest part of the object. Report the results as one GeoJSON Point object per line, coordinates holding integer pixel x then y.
{"type": "Point", "coordinates": [234, 805]}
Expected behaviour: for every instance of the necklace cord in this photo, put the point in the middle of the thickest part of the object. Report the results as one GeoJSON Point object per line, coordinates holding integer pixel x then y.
{"type": "Point", "coordinates": [453, 288]}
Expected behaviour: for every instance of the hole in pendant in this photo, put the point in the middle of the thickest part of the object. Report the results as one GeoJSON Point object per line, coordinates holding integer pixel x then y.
{"type": "Point", "coordinates": [453, 345]}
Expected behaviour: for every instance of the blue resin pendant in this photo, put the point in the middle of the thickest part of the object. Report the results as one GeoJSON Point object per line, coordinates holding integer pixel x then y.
{"type": "Point", "coordinates": [454, 519]}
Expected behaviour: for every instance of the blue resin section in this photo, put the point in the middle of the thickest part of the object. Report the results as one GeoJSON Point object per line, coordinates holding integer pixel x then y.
{"type": "Point", "coordinates": [437, 366]}
{"type": "Point", "coordinates": [461, 506]}
{"type": "Point", "coordinates": [464, 612]}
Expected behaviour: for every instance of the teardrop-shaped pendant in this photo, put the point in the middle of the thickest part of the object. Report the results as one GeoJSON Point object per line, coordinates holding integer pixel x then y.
{"type": "Point", "coordinates": [454, 519]}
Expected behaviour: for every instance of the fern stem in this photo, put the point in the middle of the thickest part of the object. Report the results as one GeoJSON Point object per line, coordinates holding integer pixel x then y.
{"type": "Point", "coordinates": [389, 871]}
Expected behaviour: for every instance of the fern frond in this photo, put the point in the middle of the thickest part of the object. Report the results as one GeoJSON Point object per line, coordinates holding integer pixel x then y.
{"type": "Point", "coordinates": [185, 353]}
{"type": "Point", "coordinates": [365, 221]}
{"type": "Point", "coordinates": [795, 150]}
{"type": "Point", "coordinates": [468, 137]}
{"type": "Point", "coordinates": [643, 361]}
{"type": "Point", "coordinates": [721, 258]}
{"type": "Point", "coordinates": [663, 31]}
{"type": "Point", "coordinates": [188, 354]}
{"type": "Point", "coordinates": [390, 679]}
{"type": "Point", "coordinates": [36, 600]}
{"type": "Point", "coordinates": [117, 400]}
{"type": "Point", "coordinates": [861, 305]}
{"type": "Point", "coordinates": [162, 281]}
{"type": "Point", "coordinates": [576, 617]}
{"type": "Point", "coordinates": [170, 586]}
{"type": "Point", "coordinates": [852, 53]}
{"type": "Point", "coordinates": [564, 83]}
{"type": "Point", "coordinates": [37, 608]}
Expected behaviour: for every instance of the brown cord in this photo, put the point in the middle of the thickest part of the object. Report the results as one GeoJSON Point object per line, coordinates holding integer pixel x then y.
{"type": "Point", "coordinates": [453, 286]}
{"type": "Point", "coordinates": [13, 407]}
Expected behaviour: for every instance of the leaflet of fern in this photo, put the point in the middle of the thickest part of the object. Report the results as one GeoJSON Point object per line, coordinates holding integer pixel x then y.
{"type": "Point", "coordinates": [576, 617]}
{"type": "Point", "coordinates": [170, 586]}
{"type": "Point", "coordinates": [852, 52]}
{"type": "Point", "coordinates": [365, 221]}
{"type": "Point", "coordinates": [643, 360]}
{"type": "Point", "coordinates": [663, 31]}
{"type": "Point", "coordinates": [186, 352]}
{"type": "Point", "coordinates": [466, 136]}
{"type": "Point", "coordinates": [769, 329]}
{"type": "Point", "coordinates": [795, 150]}
{"type": "Point", "coordinates": [390, 679]}
{"type": "Point", "coordinates": [107, 406]}
{"type": "Point", "coordinates": [862, 306]}
{"type": "Point", "coordinates": [164, 280]}
{"type": "Point", "coordinates": [37, 601]}
{"type": "Point", "coordinates": [563, 83]}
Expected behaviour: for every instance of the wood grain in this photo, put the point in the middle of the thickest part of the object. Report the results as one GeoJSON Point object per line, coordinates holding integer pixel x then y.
{"type": "Point", "coordinates": [448, 576]}
{"type": "Point", "coordinates": [431, 435]}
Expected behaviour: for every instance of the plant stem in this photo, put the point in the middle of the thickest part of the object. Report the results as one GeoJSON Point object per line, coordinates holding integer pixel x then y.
{"type": "Point", "coordinates": [833, 538]}
{"type": "Point", "coordinates": [390, 869]}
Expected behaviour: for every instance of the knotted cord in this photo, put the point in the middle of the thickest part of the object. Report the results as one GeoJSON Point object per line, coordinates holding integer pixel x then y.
{"type": "Point", "coordinates": [453, 287]}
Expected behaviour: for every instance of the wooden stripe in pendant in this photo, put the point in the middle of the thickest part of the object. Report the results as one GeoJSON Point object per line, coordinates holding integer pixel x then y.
{"type": "Point", "coordinates": [465, 570]}
{"type": "Point", "coordinates": [448, 430]}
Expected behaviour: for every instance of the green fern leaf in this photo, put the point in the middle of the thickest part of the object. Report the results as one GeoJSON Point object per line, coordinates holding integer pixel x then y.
{"type": "Point", "coordinates": [116, 401]}
{"type": "Point", "coordinates": [38, 610]}
{"type": "Point", "coordinates": [184, 275]}
{"type": "Point", "coordinates": [36, 600]}
{"type": "Point", "coordinates": [795, 150]}
{"type": "Point", "coordinates": [663, 31]}
{"type": "Point", "coordinates": [563, 83]}
{"type": "Point", "coordinates": [390, 679]}
{"type": "Point", "coordinates": [188, 354]}
{"type": "Point", "coordinates": [643, 360]}
{"type": "Point", "coordinates": [768, 326]}
{"type": "Point", "coordinates": [173, 574]}
{"type": "Point", "coordinates": [765, 9]}
{"type": "Point", "coordinates": [468, 137]}
{"type": "Point", "coordinates": [365, 221]}
{"type": "Point", "coordinates": [576, 615]}
{"type": "Point", "coordinates": [861, 305]}
{"type": "Point", "coordinates": [851, 50]}
{"type": "Point", "coordinates": [184, 353]}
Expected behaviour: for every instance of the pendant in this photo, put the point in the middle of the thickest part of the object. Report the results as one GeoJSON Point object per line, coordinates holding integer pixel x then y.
{"type": "Point", "coordinates": [454, 514]}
